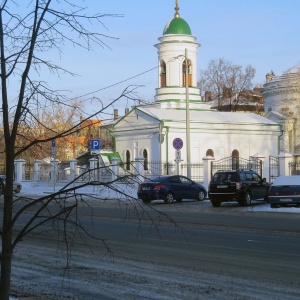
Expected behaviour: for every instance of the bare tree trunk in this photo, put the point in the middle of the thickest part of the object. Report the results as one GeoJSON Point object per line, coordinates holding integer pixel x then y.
{"type": "Point", "coordinates": [7, 249]}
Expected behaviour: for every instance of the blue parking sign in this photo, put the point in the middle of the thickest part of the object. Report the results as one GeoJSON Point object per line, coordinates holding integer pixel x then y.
{"type": "Point", "coordinates": [53, 148]}
{"type": "Point", "coordinates": [95, 147]}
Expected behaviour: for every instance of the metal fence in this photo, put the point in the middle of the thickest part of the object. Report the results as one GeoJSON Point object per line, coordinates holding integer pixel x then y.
{"type": "Point", "coordinates": [294, 166]}
{"type": "Point", "coordinates": [197, 172]}
{"type": "Point", "coordinates": [236, 163]}
{"type": "Point", "coordinates": [159, 168]}
{"type": "Point", "coordinates": [274, 168]}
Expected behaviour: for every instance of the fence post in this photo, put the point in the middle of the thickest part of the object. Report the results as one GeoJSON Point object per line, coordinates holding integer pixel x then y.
{"type": "Point", "coordinates": [207, 170]}
{"type": "Point", "coordinates": [93, 165]}
{"type": "Point", "coordinates": [284, 160]}
{"type": "Point", "coordinates": [257, 159]}
{"type": "Point", "coordinates": [19, 169]}
{"type": "Point", "coordinates": [115, 167]}
{"type": "Point", "coordinates": [73, 167]}
{"type": "Point", "coordinates": [139, 167]}
{"type": "Point", "coordinates": [54, 171]}
{"type": "Point", "coordinates": [36, 170]}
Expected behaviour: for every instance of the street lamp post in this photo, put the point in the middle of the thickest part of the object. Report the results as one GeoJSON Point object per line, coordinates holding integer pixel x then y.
{"type": "Point", "coordinates": [188, 142]}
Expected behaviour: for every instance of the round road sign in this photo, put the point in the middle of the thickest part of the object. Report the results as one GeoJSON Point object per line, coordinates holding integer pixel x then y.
{"type": "Point", "coordinates": [177, 143]}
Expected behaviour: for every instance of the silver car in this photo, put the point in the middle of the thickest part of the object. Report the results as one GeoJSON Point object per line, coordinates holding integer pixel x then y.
{"type": "Point", "coordinates": [285, 190]}
{"type": "Point", "coordinates": [16, 186]}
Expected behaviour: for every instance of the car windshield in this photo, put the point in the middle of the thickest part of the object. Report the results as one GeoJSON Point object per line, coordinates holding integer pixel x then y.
{"type": "Point", "coordinates": [224, 176]}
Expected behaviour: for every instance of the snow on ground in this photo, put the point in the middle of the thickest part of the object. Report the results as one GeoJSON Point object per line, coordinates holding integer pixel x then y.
{"type": "Point", "coordinates": [42, 188]}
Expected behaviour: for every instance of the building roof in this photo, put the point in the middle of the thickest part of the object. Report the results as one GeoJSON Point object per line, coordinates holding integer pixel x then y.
{"type": "Point", "coordinates": [177, 26]}
{"type": "Point", "coordinates": [207, 117]}
{"type": "Point", "coordinates": [295, 69]}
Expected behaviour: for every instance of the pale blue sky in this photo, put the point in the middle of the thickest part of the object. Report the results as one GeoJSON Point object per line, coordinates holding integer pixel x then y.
{"type": "Point", "coordinates": [263, 33]}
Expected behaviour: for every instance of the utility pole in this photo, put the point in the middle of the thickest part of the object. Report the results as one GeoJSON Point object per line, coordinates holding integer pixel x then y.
{"type": "Point", "coordinates": [188, 142]}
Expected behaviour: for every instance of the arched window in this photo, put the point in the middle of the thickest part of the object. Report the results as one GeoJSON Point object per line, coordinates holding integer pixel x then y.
{"type": "Point", "coordinates": [235, 159]}
{"type": "Point", "coordinates": [127, 160]}
{"type": "Point", "coordinates": [163, 76]}
{"type": "Point", "coordinates": [145, 156]}
{"type": "Point", "coordinates": [189, 73]}
{"type": "Point", "coordinates": [210, 152]}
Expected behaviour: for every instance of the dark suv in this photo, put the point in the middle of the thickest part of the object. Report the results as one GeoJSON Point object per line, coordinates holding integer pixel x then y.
{"type": "Point", "coordinates": [237, 185]}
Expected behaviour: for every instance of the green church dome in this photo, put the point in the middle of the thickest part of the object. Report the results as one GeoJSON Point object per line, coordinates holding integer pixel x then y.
{"type": "Point", "coordinates": [177, 26]}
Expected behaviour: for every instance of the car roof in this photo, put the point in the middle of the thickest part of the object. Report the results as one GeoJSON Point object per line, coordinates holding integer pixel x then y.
{"type": "Point", "coordinates": [164, 177]}
{"type": "Point", "coordinates": [287, 180]}
{"type": "Point", "coordinates": [159, 177]}
{"type": "Point", "coordinates": [238, 170]}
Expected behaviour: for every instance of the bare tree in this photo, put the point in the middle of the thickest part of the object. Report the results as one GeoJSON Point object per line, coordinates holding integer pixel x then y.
{"type": "Point", "coordinates": [29, 31]}
{"type": "Point", "coordinates": [223, 79]}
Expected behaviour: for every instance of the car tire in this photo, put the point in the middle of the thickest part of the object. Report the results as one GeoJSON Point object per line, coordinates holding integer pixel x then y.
{"type": "Point", "coordinates": [201, 195]}
{"type": "Point", "coordinates": [273, 205]}
{"type": "Point", "coordinates": [247, 199]}
{"type": "Point", "coordinates": [215, 203]}
{"type": "Point", "coordinates": [169, 198]}
{"type": "Point", "coordinates": [18, 189]}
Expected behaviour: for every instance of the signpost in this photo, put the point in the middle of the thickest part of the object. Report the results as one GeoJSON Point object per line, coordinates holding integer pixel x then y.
{"type": "Point", "coordinates": [53, 154]}
{"type": "Point", "coordinates": [95, 147]}
{"type": "Point", "coordinates": [177, 144]}
{"type": "Point", "coordinates": [53, 148]}
{"type": "Point", "coordinates": [95, 150]}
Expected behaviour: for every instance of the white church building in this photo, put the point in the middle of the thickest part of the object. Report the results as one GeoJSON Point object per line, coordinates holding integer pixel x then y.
{"type": "Point", "coordinates": [282, 105]}
{"type": "Point", "coordinates": [179, 124]}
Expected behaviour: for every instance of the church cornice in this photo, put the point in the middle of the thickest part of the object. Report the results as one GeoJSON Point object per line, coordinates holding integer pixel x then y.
{"type": "Point", "coordinates": [280, 91]}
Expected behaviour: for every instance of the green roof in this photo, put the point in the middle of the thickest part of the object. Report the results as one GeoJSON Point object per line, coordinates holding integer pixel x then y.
{"type": "Point", "coordinates": [111, 155]}
{"type": "Point", "coordinates": [177, 26]}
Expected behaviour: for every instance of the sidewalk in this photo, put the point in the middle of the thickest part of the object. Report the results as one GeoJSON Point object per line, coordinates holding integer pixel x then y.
{"type": "Point", "coordinates": [116, 191]}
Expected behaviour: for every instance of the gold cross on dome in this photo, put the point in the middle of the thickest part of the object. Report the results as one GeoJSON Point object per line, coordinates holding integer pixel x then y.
{"type": "Point", "coordinates": [177, 15]}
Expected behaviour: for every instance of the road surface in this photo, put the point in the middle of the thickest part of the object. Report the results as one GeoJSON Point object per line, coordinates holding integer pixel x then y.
{"type": "Point", "coordinates": [185, 250]}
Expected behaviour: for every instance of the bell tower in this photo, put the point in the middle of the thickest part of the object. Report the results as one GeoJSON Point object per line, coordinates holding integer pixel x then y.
{"type": "Point", "coordinates": [177, 40]}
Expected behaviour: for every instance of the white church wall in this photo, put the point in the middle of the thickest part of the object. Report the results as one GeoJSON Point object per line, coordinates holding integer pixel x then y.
{"type": "Point", "coordinates": [222, 144]}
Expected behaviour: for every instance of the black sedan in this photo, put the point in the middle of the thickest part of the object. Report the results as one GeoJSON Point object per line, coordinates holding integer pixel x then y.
{"type": "Point", "coordinates": [170, 188]}
{"type": "Point", "coordinates": [285, 190]}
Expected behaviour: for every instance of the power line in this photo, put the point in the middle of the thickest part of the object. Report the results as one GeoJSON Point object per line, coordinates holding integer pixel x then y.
{"type": "Point", "coordinates": [112, 85]}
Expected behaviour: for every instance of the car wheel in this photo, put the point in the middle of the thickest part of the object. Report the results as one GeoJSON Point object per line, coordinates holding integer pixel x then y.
{"type": "Point", "coordinates": [247, 199]}
{"type": "Point", "coordinates": [169, 198]}
{"type": "Point", "coordinates": [18, 189]}
{"type": "Point", "coordinates": [201, 195]}
{"type": "Point", "coordinates": [273, 205]}
{"type": "Point", "coordinates": [215, 203]}
{"type": "Point", "coordinates": [146, 200]}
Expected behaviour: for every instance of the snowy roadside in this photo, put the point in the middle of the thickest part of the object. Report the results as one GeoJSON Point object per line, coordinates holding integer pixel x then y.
{"type": "Point", "coordinates": [40, 188]}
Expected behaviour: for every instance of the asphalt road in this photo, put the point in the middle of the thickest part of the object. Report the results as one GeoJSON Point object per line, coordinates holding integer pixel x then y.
{"type": "Point", "coordinates": [186, 250]}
